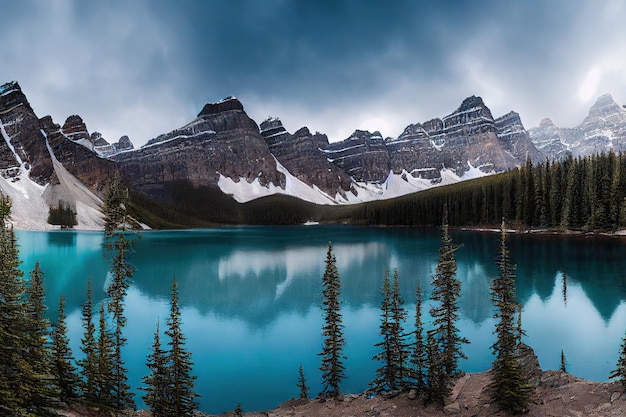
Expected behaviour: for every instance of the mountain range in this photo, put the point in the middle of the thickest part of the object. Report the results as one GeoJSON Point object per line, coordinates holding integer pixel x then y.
{"type": "Point", "coordinates": [224, 156]}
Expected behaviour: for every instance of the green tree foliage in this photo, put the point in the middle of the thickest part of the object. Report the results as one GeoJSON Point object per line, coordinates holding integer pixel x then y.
{"type": "Point", "coordinates": [332, 366]}
{"type": "Point", "coordinates": [620, 370]}
{"type": "Point", "coordinates": [105, 351]}
{"type": "Point", "coordinates": [65, 377]}
{"type": "Point", "coordinates": [37, 390]}
{"type": "Point", "coordinates": [181, 395]}
{"type": "Point", "coordinates": [445, 341]}
{"type": "Point", "coordinates": [157, 382]}
{"type": "Point", "coordinates": [445, 311]}
{"type": "Point", "coordinates": [62, 215]}
{"type": "Point", "coordinates": [418, 358]}
{"type": "Point", "coordinates": [117, 222]}
{"type": "Point", "coordinates": [24, 359]}
{"type": "Point", "coordinates": [509, 388]}
{"type": "Point", "coordinates": [563, 367]}
{"type": "Point", "coordinates": [11, 313]}
{"type": "Point", "coordinates": [392, 375]}
{"type": "Point", "coordinates": [89, 347]}
{"type": "Point", "coordinates": [576, 193]}
{"type": "Point", "coordinates": [304, 388]}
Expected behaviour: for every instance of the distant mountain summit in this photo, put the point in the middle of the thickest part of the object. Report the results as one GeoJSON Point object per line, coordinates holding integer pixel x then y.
{"type": "Point", "coordinates": [602, 130]}
{"type": "Point", "coordinates": [223, 157]}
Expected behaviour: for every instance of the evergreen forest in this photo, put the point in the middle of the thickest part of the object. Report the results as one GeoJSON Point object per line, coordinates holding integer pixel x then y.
{"type": "Point", "coordinates": [586, 194]}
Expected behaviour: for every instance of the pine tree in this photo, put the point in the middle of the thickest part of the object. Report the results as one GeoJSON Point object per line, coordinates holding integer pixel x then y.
{"type": "Point", "coordinates": [105, 378]}
{"type": "Point", "coordinates": [157, 382]}
{"type": "Point", "coordinates": [620, 369]}
{"type": "Point", "coordinates": [332, 366]}
{"type": "Point", "coordinates": [384, 375]}
{"type": "Point", "coordinates": [304, 388]}
{"type": "Point", "coordinates": [116, 224]}
{"type": "Point", "coordinates": [182, 398]}
{"type": "Point", "coordinates": [563, 362]}
{"type": "Point", "coordinates": [89, 347]}
{"type": "Point", "coordinates": [437, 381]}
{"type": "Point", "coordinates": [400, 347]}
{"type": "Point", "coordinates": [392, 374]}
{"type": "Point", "coordinates": [419, 357]}
{"type": "Point", "coordinates": [37, 391]}
{"type": "Point", "coordinates": [11, 313]}
{"type": "Point", "coordinates": [238, 410]}
{"type": "Point", "coordinates": [445, 311]}
{"type": "Point", "coordinates": [122, 270]}
{"type": "Point", "coordinates": [509, 387]}
{"type": "Point", "coordinates": [64, 371]}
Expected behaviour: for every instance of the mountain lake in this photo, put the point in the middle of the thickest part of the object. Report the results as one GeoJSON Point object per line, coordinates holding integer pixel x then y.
{"type": "Point", "coordinates": [251, 299]}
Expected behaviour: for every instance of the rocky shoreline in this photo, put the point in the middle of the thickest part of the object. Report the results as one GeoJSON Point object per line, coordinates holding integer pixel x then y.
{"type": "Point", "coordinates": [557, 393]}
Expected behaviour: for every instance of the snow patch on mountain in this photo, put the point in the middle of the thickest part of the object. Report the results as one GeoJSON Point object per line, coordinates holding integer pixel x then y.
{"type": "Point", "coordinates": [29, 200]}
{"type": "Point", "coordinates": [396, 185]}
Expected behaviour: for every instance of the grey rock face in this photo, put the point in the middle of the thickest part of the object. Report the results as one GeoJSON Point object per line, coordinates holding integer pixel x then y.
{"type": "Point", "coordinates": [303, 155]}
{"type": "Point", "coordinates": [27, 148]}
{"type": "Point", "coordinates": [223, 140]}
{"type": "Point", "coordinates": [363, 156]}
{"type": "Point", "coordinates": [602, 130]}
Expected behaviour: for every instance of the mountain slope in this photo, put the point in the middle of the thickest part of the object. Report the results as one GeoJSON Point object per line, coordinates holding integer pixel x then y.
{"type": "Point", "coordinates": [602, 130]}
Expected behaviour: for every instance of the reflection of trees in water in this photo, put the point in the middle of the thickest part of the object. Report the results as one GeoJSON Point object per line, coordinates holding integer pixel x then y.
{"type": "Point", "coordinates": [259, 274]}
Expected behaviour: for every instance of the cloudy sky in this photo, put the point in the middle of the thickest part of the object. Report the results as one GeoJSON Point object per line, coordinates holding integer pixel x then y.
{"type": "Point", "coordinates": [143, 68]}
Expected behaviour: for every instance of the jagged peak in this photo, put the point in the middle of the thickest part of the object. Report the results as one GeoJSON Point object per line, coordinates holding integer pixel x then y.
{"type": "Point", "coordinates": [271, 123]}
{"type": "Point", "coordinates": [604, 100]}
{"type": "Point", "coordinates": [365, 134]}
{"type": "Point", "coordinates": [474, 106]}
{"type": "Point", "coordinates": [604, 107]}
{"type": "Point", "coordinates": [546, 122]}
{"type": "Point", "coordinates": [227, 104]}
{"type": "Point", "coordinates": [471, 102]}
{"type": "Point", "coordinates": [9, 87]}
{"type": "Point", "coordinates": [303, 131]}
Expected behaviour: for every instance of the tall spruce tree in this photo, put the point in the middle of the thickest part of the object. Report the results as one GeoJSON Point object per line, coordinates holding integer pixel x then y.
{"type": "Point", "coordinates": [157, 382]}
{"type": "Point", "coordinates": [445, 309]}
{"type": "Point", "coordinates": [116, 225]}
{"type": "Point", "coordinates": [332, 366]}
{"type": "Point", "coordinates": [89, 347]}
{"type": "Point", "coordinates": [38, 393]}
{"type": "Point", "coordinates": [181, 395]}
{"type": "Point", "coordinates": [419, 358]}
{"type": "Point", "coordinates": [392, 375]}
{"type": "Point", "coordinates": [304, 388]}
{"type": "Point", "coordinates": [65, 376]}
{"type": "Point", "coordinates": [11, 312]}
{"type": "Point", "coordinates": [445, 341]}
{"type": "Point", "coordinates": [105, 350]}
{"type": "Point", "coordinates": [509, 388]}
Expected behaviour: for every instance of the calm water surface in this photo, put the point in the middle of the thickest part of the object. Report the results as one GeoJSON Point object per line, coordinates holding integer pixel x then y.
{"type": "Point", "coordinates": [251, 299]}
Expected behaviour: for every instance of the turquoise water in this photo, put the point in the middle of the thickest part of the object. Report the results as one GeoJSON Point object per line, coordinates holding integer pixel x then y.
{"type": "Point", "coordinates": [251, 299]}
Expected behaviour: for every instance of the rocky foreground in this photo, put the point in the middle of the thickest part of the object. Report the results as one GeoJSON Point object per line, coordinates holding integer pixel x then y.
{"type": "Point", "coordinates": [557, 393]}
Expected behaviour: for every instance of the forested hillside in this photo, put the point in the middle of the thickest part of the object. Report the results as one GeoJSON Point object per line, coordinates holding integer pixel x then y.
{"type": "Point", "coordinates": [580, 194]}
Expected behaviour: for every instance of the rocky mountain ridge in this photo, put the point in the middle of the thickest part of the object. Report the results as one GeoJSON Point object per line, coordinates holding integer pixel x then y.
{"type": "Point", "coordinates": [602, 130]}
{"type": "Point", "coordinates": [223, 151]}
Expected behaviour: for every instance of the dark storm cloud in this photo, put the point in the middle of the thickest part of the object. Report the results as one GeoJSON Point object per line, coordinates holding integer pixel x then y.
{"type": "Point", "coordinates": [141, 68]}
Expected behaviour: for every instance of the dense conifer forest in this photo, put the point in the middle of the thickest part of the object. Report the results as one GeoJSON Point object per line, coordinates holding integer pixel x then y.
{"type": "Point", "coordinates": [573, 194]}
{"type": "Point", "coordinates": [576, 194]}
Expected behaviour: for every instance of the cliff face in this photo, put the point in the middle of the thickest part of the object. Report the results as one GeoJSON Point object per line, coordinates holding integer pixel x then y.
{"type": "Point", "coordinates": [221, 141]}
{"type": "Point", "coordinates": [23, 147]}
{"type": "Point", "coordinates": [603, 129]}
{"type": "Point", "coordinates": [303, 156]}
